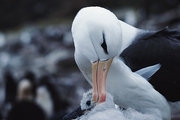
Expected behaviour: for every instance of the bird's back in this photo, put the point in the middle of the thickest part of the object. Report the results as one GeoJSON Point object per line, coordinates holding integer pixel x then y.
{"type": "Point", "coordinates": [162, 47]}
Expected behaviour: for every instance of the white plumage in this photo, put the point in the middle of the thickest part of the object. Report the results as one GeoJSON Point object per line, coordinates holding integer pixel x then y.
{"type": "Point", "coordinates": [24, 90]}
{"type": "Point", "coordinates": [99, 37]}
{"type": "Point", "coordinates": [44, 100]}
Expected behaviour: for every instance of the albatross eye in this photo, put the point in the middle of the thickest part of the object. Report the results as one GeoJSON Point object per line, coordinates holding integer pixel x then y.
{"type": "Point", "coordinates": [103, 45]}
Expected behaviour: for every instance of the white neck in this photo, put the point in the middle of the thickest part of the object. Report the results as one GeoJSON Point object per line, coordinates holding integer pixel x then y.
{"type": "Point", "coordinates": [129, 34]}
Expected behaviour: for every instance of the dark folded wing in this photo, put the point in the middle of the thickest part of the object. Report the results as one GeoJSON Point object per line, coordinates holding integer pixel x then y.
{"type": "Point", "coordinates": [163, 47]}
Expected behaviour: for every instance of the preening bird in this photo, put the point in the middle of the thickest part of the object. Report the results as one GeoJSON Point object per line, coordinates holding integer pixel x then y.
{"type": "Point", "coordinates": [108, 51]}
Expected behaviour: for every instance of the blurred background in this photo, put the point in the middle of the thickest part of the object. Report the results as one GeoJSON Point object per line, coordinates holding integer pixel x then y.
{"type": "Point", "coordinates": [37, 53]}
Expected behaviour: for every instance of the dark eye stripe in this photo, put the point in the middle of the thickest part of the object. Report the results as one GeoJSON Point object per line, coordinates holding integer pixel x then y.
{"type": "Point", "coordinates": [103, 45]}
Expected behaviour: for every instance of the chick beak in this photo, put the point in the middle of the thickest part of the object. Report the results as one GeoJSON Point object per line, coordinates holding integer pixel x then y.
{"type": "Point", "coordinates": [74, 114]}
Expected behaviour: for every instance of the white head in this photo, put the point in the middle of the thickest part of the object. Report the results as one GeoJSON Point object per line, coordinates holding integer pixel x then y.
{"type": "Point", "coordinates": [93, 30]}
{"type": "Point", "coordinates": [97, 36]}
{"type": "Point", "coordinates": [24, 90]}
{"type": "Point", "coordinates": [87, 103]}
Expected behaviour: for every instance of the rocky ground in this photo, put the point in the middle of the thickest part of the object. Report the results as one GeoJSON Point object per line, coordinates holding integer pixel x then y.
{"type": "Point", "coordinates": [48, 50]}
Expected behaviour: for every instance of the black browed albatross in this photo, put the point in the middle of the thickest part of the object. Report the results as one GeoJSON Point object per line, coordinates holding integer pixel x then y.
{"type": "Point", "coordinates": [100, 38]}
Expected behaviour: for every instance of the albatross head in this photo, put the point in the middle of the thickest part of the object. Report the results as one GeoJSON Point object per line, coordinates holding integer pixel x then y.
{"type": "Point", "coordinates": [97, 37]}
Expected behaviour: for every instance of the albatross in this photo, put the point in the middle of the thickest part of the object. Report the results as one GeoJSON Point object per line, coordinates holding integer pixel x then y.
{"type": "Point", "coordinates": [108, 51]}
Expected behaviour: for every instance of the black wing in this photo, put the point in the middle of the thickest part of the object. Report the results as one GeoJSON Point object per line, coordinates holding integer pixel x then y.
{"type": "Point", "coordinates": [162, 47]}
{"type": "Point", "coordinates": [10, 88]}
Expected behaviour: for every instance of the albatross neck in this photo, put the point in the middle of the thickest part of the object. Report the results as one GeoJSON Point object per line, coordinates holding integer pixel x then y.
{"type": "Point", "coordinates": [129, 34]}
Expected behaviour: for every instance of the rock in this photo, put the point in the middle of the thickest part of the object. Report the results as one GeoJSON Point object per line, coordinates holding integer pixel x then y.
{"type": "Point", "coordinates": [2, 40]}
{"type": "Point", "coordinates": [68, 39]}
{"type": "Point", "coordinates": [55, 32]}
{"type": "Point", "coordinates": [4, 59]}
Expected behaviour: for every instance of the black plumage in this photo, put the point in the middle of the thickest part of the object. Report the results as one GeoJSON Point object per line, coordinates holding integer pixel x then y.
{"type": "Point", "coordinates": [26, 110]}
{"type": "Point", "coordinates": [10, 87]}
{"type": "Point", "coordinates": [162, 47]}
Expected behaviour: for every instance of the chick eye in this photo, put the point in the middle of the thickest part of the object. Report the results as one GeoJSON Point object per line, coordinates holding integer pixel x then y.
{"type": "Point", "coordinates": [103, 45]}
{"type": "Point", "coordinates": [88, 103]}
